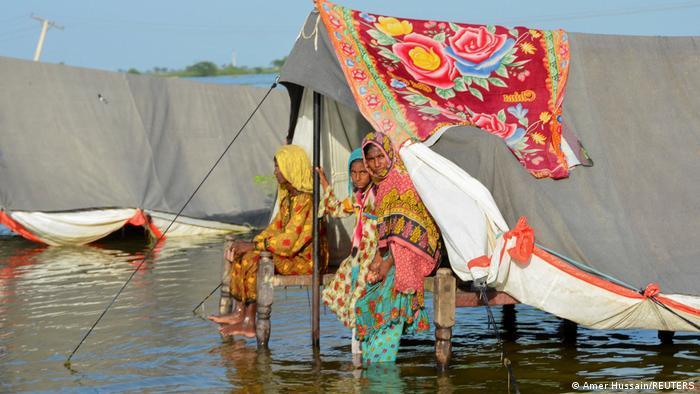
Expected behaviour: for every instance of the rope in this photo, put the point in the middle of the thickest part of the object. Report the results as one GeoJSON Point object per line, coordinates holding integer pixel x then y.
{"type": "Point", "coordinates": [207, 297]}
{"type": "Point", "coordinates": [314, 32]}
{"type": "Point", "coordinates": [616, 281]}
{"type": "Point", "coordinates": [653, 298]}
{"type": "Point", "coordinates": [150, 251]}
{"type": "Point", "coordinates": [512, 382]}
{"type": "Point", "coordinates": [587, 268]}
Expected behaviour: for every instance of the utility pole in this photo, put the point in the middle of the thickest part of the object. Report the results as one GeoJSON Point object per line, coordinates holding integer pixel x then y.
{"type": "Point", "coordinates": [45, 25]}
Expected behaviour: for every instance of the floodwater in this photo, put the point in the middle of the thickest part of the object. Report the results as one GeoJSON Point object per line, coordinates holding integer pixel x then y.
{"type": "Point", "coordinates": [150, 341]}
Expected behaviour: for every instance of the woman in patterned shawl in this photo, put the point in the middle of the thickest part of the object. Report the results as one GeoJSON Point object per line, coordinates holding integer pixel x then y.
{"type": "Point", "coordinates": [288, 238]}
{"type": "Point", "coordinates": [349, 282]}
{"type": "Point", "coordinates": [409, 249]}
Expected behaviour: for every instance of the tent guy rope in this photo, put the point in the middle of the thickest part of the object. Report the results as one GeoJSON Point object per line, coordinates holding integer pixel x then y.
{"type": "Point", "coordinates": [67, 363]}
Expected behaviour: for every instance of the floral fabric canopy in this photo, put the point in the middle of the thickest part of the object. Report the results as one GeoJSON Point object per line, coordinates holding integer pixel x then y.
{"type": "Point", "coordinates": [410, 78]}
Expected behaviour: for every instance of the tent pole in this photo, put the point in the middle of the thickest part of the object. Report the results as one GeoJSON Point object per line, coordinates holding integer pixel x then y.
{"type": "Point", "coordinates": [315, 296]}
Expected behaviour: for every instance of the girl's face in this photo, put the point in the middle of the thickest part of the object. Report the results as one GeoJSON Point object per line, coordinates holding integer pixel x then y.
{"type": "Point", "coordinates": [376, 161]}
{"type": "Point", "coordinates": [359, 175]}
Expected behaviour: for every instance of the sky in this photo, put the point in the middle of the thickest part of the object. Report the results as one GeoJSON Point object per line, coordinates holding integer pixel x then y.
{"type": "Point", "coordinates": [143, 34]}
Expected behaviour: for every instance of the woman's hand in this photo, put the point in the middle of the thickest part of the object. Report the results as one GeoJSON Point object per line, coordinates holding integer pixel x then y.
{"type": "Point", "coordinates": [371, 277]}
{"type": "Point", "coordinates": [379, 267]}
{"type": "Point", "coordinates": [322, 177]}
{"type": "Point", "coordinates": [230, 252]}
{"type": "Point", "coordinates": [237, 249]}
{"type": "Point", "coordinates": [374, 265]}
{"type": "Point", "coordinates": [384, 268]}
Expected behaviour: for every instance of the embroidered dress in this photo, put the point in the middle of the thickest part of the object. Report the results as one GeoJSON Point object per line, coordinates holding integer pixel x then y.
{"type": "Point", "coordinates": [406, 228]}
{"type": "Point", "coordinates": [289, 236]}
{"type": "Point", "coordinates": [349, 282]}
{"type": "Point", "coordinates": [386, 314]}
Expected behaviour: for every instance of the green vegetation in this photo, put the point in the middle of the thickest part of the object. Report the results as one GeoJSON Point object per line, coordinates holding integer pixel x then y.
{"type": "Point", "coordinates": [207, 69]}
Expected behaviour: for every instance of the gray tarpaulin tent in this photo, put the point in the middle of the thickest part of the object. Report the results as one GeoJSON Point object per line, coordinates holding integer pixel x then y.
{"type": "Point", "coordinates": [74, 139]}
{"type": "Point", "coordinates": [632, 101]}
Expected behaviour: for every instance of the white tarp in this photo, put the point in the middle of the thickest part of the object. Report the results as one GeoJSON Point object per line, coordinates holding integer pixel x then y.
{"type": "Point", "coordinates": [73, 228]}
{"type": "Point", "coordinates": [461, 206]}
{"type": "Point", "coordinates": [553, 285]}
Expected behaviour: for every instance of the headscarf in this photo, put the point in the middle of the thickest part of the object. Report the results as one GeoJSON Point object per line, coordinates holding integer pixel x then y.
{"type": "Point", "coordinates": [295, 166]}
{"type": "Point", "coordinates": [381, 141]}
{"type": "Point", "coordinates": [354, 155]}
{"type": "Point", "coordinates": [403, 220]}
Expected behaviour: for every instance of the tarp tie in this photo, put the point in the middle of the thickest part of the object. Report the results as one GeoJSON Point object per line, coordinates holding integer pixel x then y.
{"type": "Point", "coordinates": [150, 251]}
{"type": "Point", "coordinates": [524, 242]}
{"type": "Point", "coordinates": [651, 290]}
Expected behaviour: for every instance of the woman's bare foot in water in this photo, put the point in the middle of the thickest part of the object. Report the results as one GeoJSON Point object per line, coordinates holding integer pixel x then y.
{"type": "Point", "coordinates": [246, 329]}
{"type": "Point", "coordinates": [230, 319]}
{"type": "Point", "coordinates": [229, 329]}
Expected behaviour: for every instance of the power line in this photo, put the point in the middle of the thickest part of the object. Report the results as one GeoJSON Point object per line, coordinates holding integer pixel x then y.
{"type": "Point", "coordinates": [15, 37]}
{"type": "Point", "coordinates": [13, 18]}
{"type": "Point", "coordinates": [182, 27]}
{"type": "Point", "coordinates": [12, 32]}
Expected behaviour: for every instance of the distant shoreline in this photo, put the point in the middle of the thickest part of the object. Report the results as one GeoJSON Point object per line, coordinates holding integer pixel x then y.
{"type": "Point", "coordinates": [188, 74]}
{"type": "Point", "coordinates": [209, 69]}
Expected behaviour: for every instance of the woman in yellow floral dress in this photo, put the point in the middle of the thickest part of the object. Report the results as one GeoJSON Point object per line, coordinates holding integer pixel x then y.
{"type": "Point", "coordinates": [288, 238]}
{"type": "Point", "coordinates": [349, 282]}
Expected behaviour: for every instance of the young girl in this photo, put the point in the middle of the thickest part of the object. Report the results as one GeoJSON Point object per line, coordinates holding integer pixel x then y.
{"type": "Point", "coordinates": [349, 282]}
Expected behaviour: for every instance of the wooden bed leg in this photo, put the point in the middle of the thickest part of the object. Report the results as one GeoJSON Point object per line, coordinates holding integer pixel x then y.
{"type": "Point", "coordinates": [265, 297]}
{"type": "Point", "coordinates": [226, 302]}
{"type": "Point", "coordinates": [568, 331]}
{"type": "Point", "coordinates": [444, 292]}
{"type": "Point", "coordinates": [666, 337]}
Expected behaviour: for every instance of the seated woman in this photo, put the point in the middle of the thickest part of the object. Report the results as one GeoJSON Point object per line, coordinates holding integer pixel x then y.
{"type": "Point", "coordinates": [288, 238]}
{"type": "Point", "coordinates": [349, 282]}
{"type": "Point", "coordinates": [409, 249]}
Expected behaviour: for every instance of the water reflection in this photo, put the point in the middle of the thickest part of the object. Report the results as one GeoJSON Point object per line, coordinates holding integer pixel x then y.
{"type": "Point", "coordinates": [150, 341]}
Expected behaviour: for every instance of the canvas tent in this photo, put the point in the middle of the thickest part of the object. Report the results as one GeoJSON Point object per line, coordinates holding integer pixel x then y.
{"type": "Point", "coordinates": [617, 242]}
{"type": "Point", "coordinates": [83, 152]}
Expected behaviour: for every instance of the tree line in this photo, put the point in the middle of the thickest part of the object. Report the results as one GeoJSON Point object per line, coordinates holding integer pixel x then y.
{"type": "Point", "coordinates": [208, 69]}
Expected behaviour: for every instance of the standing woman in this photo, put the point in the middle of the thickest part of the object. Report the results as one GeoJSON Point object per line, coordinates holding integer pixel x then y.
{"type": "Point", "coordinates": [349, 282]}
{"type": "Point", "coordinates": [409, 249]}
{"type": "Point", "coordinates": [288, 238]}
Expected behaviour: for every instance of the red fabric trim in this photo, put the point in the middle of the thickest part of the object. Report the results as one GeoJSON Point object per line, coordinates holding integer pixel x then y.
{"type": "Point", "coordinates": [481, 261]}
{"type": "Point", "coordinates": [677, 305]}
{"type": "Point", "coordinates": [584, 276]}
{"type": "Point", "coordinates": [10, 223]}
{"type": "Point", "coordinates": [652, 290]}
{"type": "Point", "coordinates": [141, 218]}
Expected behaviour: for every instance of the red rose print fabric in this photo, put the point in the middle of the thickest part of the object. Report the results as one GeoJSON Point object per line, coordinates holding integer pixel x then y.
{"type": "Point", "coordinates": [410, 78]}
